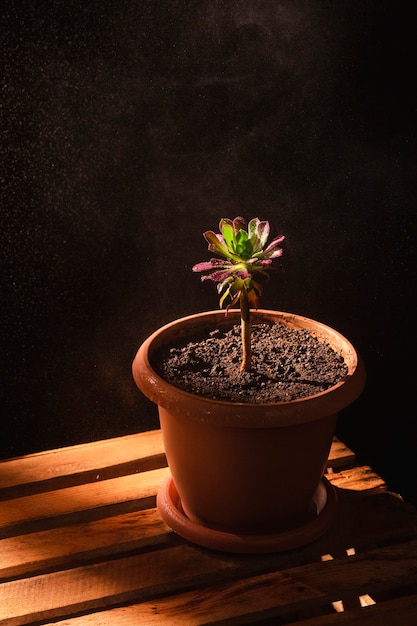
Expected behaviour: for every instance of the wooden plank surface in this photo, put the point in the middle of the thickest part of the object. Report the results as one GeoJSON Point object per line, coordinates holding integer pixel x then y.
{"type": "Point", "coordinates": [357, 479]}
{"type": "Point", "coordinates": [172, 570]}
{"type": "Point", "coordinates": [82, 544]}
{"type": "Point", "coordinates": [24, 554]}
{"type": "Point", "coordinates": [140, 489]}
{"type": "Point", "coordinates": [99, 459]}
{"type": "Point", "coordinates": [383, 614]}
{"type": "Point", "coordinates": [401, 611]}
{"type": "Point", "coordinates": [91, 461]}
{"type": "Point", "coordinates": [340, 454]}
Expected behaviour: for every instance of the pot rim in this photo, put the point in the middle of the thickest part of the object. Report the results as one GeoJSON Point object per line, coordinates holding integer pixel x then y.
{"type": "Point", "coordinates": [245, 414]}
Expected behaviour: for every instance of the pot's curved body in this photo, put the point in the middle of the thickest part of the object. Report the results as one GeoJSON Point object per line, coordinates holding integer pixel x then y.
{"type": "Point", "coordinates": [246, 468]}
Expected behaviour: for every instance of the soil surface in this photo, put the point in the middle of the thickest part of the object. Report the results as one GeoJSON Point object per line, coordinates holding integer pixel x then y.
{"type": "Point", "coordinates": [286, 364]}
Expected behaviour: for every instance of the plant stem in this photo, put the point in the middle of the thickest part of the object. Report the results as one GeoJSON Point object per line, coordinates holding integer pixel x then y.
{"type": "Point", "coordinates": [245, 332]}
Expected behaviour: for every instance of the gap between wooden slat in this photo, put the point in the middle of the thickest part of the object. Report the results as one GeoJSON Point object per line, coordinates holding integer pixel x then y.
{"type": "Point", "coordinates": [67, 546]}
{"type": "Point", "coordinates": [28, 510]}
{"type": "Point", "coordinates": [143, 577]}
{"type": "Point", "coordinates": [379, 518]}
{"type": "Point", "coordinates": [400, 611]}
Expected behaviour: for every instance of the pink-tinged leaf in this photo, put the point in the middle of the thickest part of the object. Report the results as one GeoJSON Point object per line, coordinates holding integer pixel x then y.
{"type": "Point", "coordinates": [216, 244]}
{"type": "Point", "coordinates": [272, 255]}
{"type": "Point", "coordinates": [253, 228]}
{"type": "Point", "coordinates": [245, 260]}
{"type": "Point", "coordinates": [205, 266]}
{"type": "Point", "coordinates": [239, 223]}
{"type": "Point", "coordinates": [258, 234]}
{"type": "Point", "coordinates": [217, 276]}
{"type": "Point", "coordinates": [263, 232]}
{"type": "Point", "coordinates": [276, 254]}
{"type": "Point", "coordinates": [223, 222]}
{"type": "Point", "coordinates": [244, 273]}
{"type": "Point", "coordinates": [273, 250]}
{"type": "Point", "coordinates": [276, 241]}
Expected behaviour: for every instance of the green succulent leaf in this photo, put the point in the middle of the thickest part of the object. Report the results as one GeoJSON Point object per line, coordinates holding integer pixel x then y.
{"type": "Point", "coordinates": [216, 244]}
{"type": "Point", "coordinates": [242, 270]}
{"type": "Point", "coordinates": [245, 261]}
{"type": "Point", "coordinates": [226, 228]}
{"type": "Point", "coordinates": [244, 248]}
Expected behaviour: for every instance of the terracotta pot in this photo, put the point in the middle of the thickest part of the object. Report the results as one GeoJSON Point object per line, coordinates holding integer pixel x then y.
{"type": "Point", "coordinates": [246, 470]}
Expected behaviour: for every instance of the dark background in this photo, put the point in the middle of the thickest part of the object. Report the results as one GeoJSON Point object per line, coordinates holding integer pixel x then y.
{"type": "Point", "coordinates": [129, 128]}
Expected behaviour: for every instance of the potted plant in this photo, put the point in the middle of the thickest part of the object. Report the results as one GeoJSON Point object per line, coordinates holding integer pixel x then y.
{"type": "Point", "coordinates": [246, 469]}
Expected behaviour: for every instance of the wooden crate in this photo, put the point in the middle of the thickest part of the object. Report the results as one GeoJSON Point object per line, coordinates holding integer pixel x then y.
{"type": "Point", "coordinates": [82, 544]}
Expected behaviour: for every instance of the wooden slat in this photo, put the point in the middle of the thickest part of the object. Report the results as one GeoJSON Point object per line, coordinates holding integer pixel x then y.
{"type": "Point", "coordinates": [340, 454]}
{"type": "Point", "coordinates": [383, 614]}
{"type": "Point", "coordinates": [64, 546]}
{"type": "Point", "coordinates": [120, 580]}
{"type": "Point", "coordinates": [362, 478]}
{"type": "Point", "coordinates": [366, 520]}
{"type": "Point", "coordinates": [401, 611]}
{"type": "Point", "coordinates": [381, 517]}
{"type": "Point", "coordinates": [258, 597]}
{"type": "Point", "coordinates": [85, 539]}
{"type": "Point", "coordinates": [376, 570]}
{"type": "Point", "coordinates": [145, 576]}
{"type": "Point", "coordinates": [131, 451]}
{"type": "Point", "coordinates": [52, 504]}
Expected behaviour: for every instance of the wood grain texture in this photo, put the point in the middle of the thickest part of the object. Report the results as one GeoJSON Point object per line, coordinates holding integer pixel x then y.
{"type": "Point", "coordinates": [96, 553]}
{"type": "Point", "coordinates": [83, 462]}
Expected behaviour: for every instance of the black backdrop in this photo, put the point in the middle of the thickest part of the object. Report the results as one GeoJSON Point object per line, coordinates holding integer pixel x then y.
{"type": "Point", "coordinates": [129, 128]}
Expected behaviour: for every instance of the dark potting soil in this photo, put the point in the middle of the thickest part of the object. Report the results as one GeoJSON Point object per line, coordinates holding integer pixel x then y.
{"type": "Point", "coordinates": [286, 364]}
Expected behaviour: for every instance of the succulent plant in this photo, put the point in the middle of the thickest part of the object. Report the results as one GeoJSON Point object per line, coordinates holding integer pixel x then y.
{"type": "Point", "coordinates": [242, 270]}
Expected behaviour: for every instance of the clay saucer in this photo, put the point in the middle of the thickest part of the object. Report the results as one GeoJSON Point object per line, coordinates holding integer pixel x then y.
{"type": "Point", "coordinates": [324, 506]}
